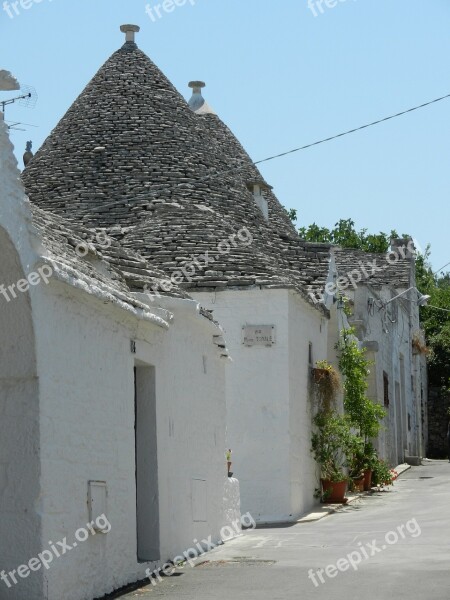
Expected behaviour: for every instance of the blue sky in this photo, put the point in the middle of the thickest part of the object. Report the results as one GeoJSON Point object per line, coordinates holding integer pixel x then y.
{"type": "Point", "coordinates": [280, 77]}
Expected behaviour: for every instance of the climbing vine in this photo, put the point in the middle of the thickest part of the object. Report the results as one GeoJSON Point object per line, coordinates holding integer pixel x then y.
{"type": "Point", "coordinates": [364, 414]}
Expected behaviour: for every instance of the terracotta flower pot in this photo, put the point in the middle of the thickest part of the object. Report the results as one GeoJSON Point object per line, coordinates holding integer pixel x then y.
{"type": "Point", "coordinates": [335, 491]}
{"type": "Point", "coordinates": [359, 483]}
{"type": "Point", "coordinates": [368, 480]}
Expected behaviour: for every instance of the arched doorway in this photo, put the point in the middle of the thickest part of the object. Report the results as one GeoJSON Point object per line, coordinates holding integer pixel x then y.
{"type": "Point", "coordinates": [20, 529]}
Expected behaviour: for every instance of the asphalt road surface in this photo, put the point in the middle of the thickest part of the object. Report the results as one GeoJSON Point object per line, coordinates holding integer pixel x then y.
{"type": "Point", "coordinates": [390, 545]}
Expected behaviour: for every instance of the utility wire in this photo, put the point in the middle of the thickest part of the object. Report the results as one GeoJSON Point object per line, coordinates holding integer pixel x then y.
{"type": "Point", "coordinates": [270, 158]}
{"type": "Point", "coordinates": [436, 272]}
{"type": "Point", "coordinates": [438, 308]}
{"type": "Point", "coordinates": [334, 137]}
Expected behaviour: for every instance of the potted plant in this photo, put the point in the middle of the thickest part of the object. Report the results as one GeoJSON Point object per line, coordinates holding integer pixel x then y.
{"type": "Point", "coordinates": [331, 444]}
{"type": "Point", "coordinates": [357, 464]}
{"type": "Point", "coordinates": [370, 462]}
{"type": "Point", "coordinates": [327, 383]}
{"type": "Point", "coordinates": [383, 475]}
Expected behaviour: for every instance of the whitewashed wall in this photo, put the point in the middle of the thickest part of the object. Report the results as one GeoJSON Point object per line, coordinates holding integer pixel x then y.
{"type": "Point", "coordinates": [394, 342]}
{"type": "Point", "coordinates": [76, 423]}
{"type": "Point", "coordinates": [306, 325]}
{"type": "Point", "coordinates": [269, 424]}
{"type": "Point", "coordinates": [87, 433]}
{"type": "Point", "coordinates": [20, 522]}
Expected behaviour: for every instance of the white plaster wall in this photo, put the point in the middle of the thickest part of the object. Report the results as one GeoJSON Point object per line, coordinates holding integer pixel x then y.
{"type": "Point", "coordinates": [257, 399]}
{"type": "Point", "coordinates": [19, 429]}
{"type": "Point", "coordinates": [267, 405]}
{"type": "Point", "coordinates": [20, 521]}
{"type": "Point", "coordinates": [371, 328]}
{"type": "Point", "coordinates": [306, 325]}
{"type": "Point", "coordinates": [394, 340]}
{"type": "Point", "coordinates": [83, 423]}
{"type": "Point", "coordinates": [87, 433]}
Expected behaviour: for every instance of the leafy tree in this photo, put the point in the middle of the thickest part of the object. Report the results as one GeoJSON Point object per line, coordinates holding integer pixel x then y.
{"type": "Point", "coordinates": [345, 235]}
{"type": "Point", "coordinates": [435, 322]}
{"type": "Point", "coordinates": [291, 213]}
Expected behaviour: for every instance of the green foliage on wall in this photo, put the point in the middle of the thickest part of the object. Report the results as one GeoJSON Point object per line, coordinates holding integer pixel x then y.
{"type": "Point", "coordinates": [364, 414]}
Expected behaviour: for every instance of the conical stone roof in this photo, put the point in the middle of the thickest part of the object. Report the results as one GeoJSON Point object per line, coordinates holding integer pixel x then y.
{"type": "Point", "coordinates": [130, 156]}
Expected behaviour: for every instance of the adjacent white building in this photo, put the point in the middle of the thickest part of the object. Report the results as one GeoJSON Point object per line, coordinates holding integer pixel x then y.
{"type": "Point", "coordinates": [385, 315]}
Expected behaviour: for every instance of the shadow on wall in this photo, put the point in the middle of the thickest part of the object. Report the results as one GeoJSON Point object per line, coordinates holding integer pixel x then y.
{"type": "Point", "coordinates": [20, 526]}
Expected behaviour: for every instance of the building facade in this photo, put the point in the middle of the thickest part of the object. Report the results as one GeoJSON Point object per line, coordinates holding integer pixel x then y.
{"type": "Point", "coordinates": [112, 410]}
{"type": "Point", "coordinates": [190, 222]}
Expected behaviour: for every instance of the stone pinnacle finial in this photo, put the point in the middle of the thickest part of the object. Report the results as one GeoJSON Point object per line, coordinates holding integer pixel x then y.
{"type": "Point", "coordinates": [28, 154]}
{"type": "Point", "coordinates": [197, 101]}
{"type": "Point", "coordinates": [197, 86]}
{"type": "Point", "coordinates": [129, 31]}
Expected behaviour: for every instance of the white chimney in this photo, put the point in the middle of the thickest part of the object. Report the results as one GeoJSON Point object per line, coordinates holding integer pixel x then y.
{"type": "Point", "coordinates": [258, 188]}
{"type": "Point", "coordinates": [197, 103]}
{"type": "Point", "coordinates": [129, 31]}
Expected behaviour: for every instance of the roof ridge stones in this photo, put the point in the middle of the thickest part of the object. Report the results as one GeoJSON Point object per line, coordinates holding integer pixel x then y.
{"type": "Point", "coordinates": [95, 256]}
{"type": "Point", "coordinates": [394, 268]}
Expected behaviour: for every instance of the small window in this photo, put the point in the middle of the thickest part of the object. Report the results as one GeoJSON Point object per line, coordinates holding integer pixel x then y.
{"type": "Point", "coordinates": [310, 353]}
{"type": "Point", "coordinates": [386, 388]}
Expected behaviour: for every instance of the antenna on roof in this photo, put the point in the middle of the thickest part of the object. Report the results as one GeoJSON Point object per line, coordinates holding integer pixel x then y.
{"type": "Point", "coordinates": [27, 98]}
{"type": "Point", "coordinates": [12, 125]}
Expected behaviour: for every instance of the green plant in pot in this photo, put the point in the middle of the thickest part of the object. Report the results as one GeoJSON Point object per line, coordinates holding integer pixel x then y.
{"type": "Point", "coordinates": [383, 474]}
{"type": "Point", "coordinates": [327, 384]}
{"type": "Point", "coordinates": [370, 463]}
{"type": "Point", "coordinates": [331, 444]}
{"type": "Point", "coordinates": [357, 464]}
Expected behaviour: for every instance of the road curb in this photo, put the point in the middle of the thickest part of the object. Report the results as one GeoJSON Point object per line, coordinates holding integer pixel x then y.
{"type": "Point", "coordinates": [331, 509]}
{"type": "Point", "coordinates": [402, 468]}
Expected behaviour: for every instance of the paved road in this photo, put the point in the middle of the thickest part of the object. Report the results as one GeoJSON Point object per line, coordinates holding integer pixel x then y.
{"type": "Point", "coordinates": [416, 567]}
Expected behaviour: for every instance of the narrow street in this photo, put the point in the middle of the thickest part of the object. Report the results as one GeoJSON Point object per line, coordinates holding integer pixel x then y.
{"type": "Point", "coordinates": [276, 563]}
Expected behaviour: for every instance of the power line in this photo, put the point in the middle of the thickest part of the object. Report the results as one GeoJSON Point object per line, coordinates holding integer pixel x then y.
{"type": "Point", "coordinates": [438, 308]}
{"type": "Point", "coordinates": [436, 272]}
{"type": "Point", "coordinates": [334, 137]}
{"type": "Point", "coordinates": [243, 164]}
